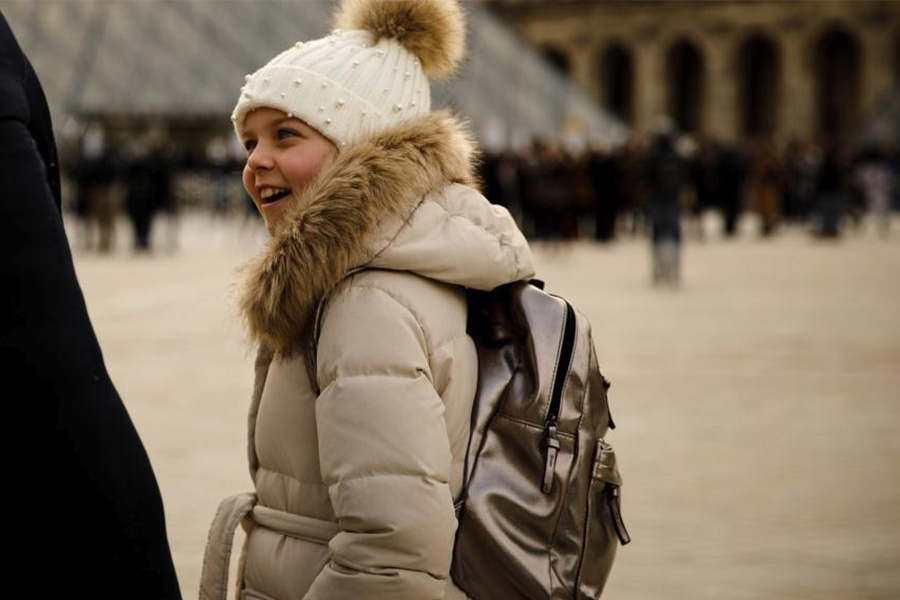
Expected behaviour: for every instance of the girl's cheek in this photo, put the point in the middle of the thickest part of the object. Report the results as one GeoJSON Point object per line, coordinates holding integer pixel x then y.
{"type": "Point", "coordinates": [303, 171]}
{"type": "Point", "coordinates": [247, 179]}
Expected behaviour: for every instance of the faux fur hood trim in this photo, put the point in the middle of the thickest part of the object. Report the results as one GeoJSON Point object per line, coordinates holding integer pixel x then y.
{"type": "Point", "coordinates": [372, 187]}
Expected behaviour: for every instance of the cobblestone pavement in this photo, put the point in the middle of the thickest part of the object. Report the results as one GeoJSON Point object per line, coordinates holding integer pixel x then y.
{"type": "Point", "coordinates": [758, 406]}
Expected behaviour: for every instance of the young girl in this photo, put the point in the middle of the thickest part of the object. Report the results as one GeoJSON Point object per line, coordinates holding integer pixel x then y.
{"type": "Point", "coordinates": [365, 375]}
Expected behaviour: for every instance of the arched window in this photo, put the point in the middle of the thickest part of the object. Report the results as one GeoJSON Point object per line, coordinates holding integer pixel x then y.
{"type": "Point", "coordinates": [685, 78]}
{"type": "Point", "coordinates": [837, 67]}
{"type": "Point", "coordinates": [759, 80]}
{"type": "Point", "coordinates": [617, 81]}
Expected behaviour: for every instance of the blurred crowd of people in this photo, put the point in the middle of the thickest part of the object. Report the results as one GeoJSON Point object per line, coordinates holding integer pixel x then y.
{"type": "Point", "coordinates": [629, 189]}
{"type": "Point", "coordinates": [104, 180]}
{"type": "Point", "coordinates": [149, 177]}
{"type": "Point", "coordinates": [651, 188]}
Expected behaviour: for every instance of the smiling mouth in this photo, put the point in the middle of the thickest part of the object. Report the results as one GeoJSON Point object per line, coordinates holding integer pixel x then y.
{"type": "Point", "coordinates": [270, 195]}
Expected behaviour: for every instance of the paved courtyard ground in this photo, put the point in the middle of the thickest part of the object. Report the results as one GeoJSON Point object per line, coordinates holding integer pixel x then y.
{"type": "Point", "coordinates": [758, 406]}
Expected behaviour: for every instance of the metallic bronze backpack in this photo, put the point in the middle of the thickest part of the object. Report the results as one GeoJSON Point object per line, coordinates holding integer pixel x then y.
{"type": "Point", "coordinates": [539, 516]}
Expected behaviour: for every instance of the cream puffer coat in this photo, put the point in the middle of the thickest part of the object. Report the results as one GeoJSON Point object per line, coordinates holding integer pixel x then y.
{"type": "Point", "coordinates": [357, 468]}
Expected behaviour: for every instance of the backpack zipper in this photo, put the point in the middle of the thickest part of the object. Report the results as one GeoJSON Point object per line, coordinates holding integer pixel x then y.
{"type": "Point", "coordinates": [552, 451]}
{"type": "Point", "coordinates": [559, 382]}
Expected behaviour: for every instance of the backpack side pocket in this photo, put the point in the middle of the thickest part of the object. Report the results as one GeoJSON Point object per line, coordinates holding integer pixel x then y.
{"type": "Point", "coordinates": [604, 527]}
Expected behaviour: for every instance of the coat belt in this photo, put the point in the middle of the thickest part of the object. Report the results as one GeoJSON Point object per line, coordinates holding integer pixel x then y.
{"type": "Point", "coordinates": [308, 529]}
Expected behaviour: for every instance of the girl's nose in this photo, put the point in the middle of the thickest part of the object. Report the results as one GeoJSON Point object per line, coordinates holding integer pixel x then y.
{"type": "Point", "coordinates": [260, 158]}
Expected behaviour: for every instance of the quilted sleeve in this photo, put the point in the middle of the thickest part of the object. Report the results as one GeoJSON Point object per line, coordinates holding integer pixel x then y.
{"type": "Point", "coordinates": [384, 452]}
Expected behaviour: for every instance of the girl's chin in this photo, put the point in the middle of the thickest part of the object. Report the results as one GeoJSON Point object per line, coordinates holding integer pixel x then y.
{"type": "Point", "coordinates": [272, 222]}
{"type": "Point", "coordinates": [272, 213]}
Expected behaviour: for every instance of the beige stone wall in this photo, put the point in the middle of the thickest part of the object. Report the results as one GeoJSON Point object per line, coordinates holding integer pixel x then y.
{"type": "Point", "coordinates": [583, 30]}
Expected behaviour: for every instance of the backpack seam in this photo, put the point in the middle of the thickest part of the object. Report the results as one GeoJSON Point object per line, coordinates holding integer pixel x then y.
{"type": "Point", "coordinates": [587, 513]}
{"type": "Point", "coordinates": [575, 454]}
{"type": "Point", "coordinates": [559, 577]}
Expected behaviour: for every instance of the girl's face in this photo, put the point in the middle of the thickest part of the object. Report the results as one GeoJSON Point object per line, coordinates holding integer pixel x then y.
{"type": "Point", "coordinates": [283, 155]}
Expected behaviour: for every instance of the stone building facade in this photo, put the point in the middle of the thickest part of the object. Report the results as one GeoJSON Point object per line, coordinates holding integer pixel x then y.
{"type": "Point", "coordinates": [724, 68]}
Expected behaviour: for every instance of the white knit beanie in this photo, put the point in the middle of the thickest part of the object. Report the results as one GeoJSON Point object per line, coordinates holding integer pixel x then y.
{"type": "Point", "coordinates": [370, 73]}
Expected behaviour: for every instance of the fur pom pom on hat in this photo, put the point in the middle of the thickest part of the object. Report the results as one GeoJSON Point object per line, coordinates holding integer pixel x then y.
{"type": "Point", "coordinates": [431, 29]}
{"type": "Point", "coordinates": [370, 73]}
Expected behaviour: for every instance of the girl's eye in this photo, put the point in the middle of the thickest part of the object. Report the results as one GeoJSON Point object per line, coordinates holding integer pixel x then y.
{"type": "Point", "coordinates": [249, 145]}
{"type": "Point", "coordinates": [283, 134]}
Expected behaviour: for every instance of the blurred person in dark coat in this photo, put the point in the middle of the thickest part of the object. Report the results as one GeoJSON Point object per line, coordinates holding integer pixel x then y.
{"type": "Point", "coordinates": [84, 175]}
{"type": "Point", "coordinates": [553, 194]}
{"type": "Point", "coordinates": [606, 196]}
{"type": "Point", "coordinates": [733, 172]}
{"type": "Point", "coordinates": [666, 175]}
{"type": "Point", "coordinates": [149, 189]}
{"type": "Point", "coordinates": [793, 162]}
{"type": "Point", "coordinates": [541, 196]}
{"type": "Point", "coordinates": [833, 191]}
{"type": "Point", "coordinates": [88, 517]}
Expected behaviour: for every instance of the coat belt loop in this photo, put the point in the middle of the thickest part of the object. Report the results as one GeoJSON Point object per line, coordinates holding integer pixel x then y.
{"type": "Point", "coordinates": [214, 577]}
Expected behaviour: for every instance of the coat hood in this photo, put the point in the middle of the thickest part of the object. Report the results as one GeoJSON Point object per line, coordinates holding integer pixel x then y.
{"type": "Point", "coordinates": [399, 200]}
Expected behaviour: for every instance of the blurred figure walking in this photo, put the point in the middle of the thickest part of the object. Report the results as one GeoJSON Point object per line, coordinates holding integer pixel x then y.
{"type": "Point", "coordinates": [733, 172]}
{"type": "Point", "coordinates": [87, 179]}
{"type": "Point", "coordinates": [874, 175]}
{"type": "Point", "coordinates": [548, 189]}
{"type": "Point", "coordinates": [140, 197]}
{"type": "Point", "coordinates": [667, 174]}
{"type": "Point", "coordinates": [602, 167]}
{"type": "Point", "coordinates": [767, 186]}
{"type": "Point", "coordinates": [96, 201]}
{"type": "Point", "coordinates": [832, 192]}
